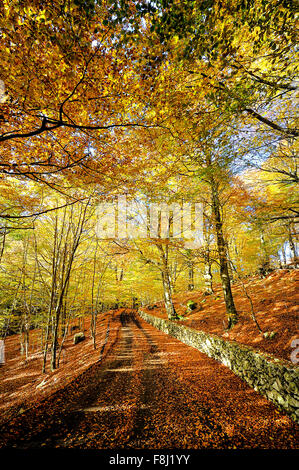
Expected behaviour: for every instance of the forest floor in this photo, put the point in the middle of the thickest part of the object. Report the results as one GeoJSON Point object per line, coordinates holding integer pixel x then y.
{"type": "Point", "coordinates": [148, 390]}
{"type": "Point", "coordinates": [151, 391]}
{"type": "Point", "coordinates": [22, 382]}
{"type": "Point", "coordinates": [276, 305]}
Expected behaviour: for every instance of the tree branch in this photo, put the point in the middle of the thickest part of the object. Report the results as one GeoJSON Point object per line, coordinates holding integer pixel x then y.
{"type": "Point", "coordinates": [264, 120]}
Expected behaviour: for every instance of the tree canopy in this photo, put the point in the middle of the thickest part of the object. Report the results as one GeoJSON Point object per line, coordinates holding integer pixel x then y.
{"type": "Point", "coordinates": [174, 102]}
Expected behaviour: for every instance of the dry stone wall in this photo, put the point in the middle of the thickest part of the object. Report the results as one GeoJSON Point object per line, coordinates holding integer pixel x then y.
{"type": "Point", "coordinates": [275, 379]}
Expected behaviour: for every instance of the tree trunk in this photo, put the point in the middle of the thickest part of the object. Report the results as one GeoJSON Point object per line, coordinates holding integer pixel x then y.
{"type": "Point", "coordinates": [291, 243]}
{"type": "Point", "coordinates": [284, 256]}
{"type": "Point", "coordinates": [93, 321]}
{"type": "Point", "coordinates": [45, 348]}
{"type": "Point", "coordinates": [55, 339]}
{"type": "Point", "coordinates": [224, 271]}
{"type": "Point", "coordinates": [191, 275]}
{"type": "Point", "coordinates": [208, 278]}
{"type": "Point", "coordinates": [167, 290]}
{"type": "Point", "coordinates": [170, 310]}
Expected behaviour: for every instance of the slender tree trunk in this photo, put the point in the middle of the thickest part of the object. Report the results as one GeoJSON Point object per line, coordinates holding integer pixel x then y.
{"type": "Point", "coordinates": [93, 323]}
{"type": "Point", "coordinates": [230, 270]}
{"type": "Point", "coordinates": [62, 342]}
{"type": "Point", "coordinates": [25, 324]}
{"type": "Point", "coordinates": [167, 290]}
{"type": "Point", "coordinates": [170, 310]}
{"type": "Point", "coordinates": [2, 243]}
{"type": "Point", "coordinates": [284, 256]}
{"type": "Point", "coordinates": [208, 278]}
{"type": "Point", "coordinates": [266, 259]}
{"type": "Point", "coordinates": [54, 346]}
{"type": "Point", "coordinates": [191, 275]}
{"type": "Point", "coordinates": [223, 261]}
{"type": "Point", "coordinates": [291, 242]}
{"type": "Point", "coordinates": [46, 343]}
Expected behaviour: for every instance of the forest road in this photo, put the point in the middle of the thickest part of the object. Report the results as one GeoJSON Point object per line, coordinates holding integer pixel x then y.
{"type": "Point", "coordinates": [151, 391]}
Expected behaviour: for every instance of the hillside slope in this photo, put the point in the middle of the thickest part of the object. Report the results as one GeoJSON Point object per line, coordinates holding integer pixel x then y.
{"type": "Point", "coordinates": [276, 305]}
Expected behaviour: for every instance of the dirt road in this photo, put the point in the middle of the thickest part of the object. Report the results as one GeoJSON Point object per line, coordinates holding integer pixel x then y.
{"type": "Point", "coordinates": [152, 392]}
